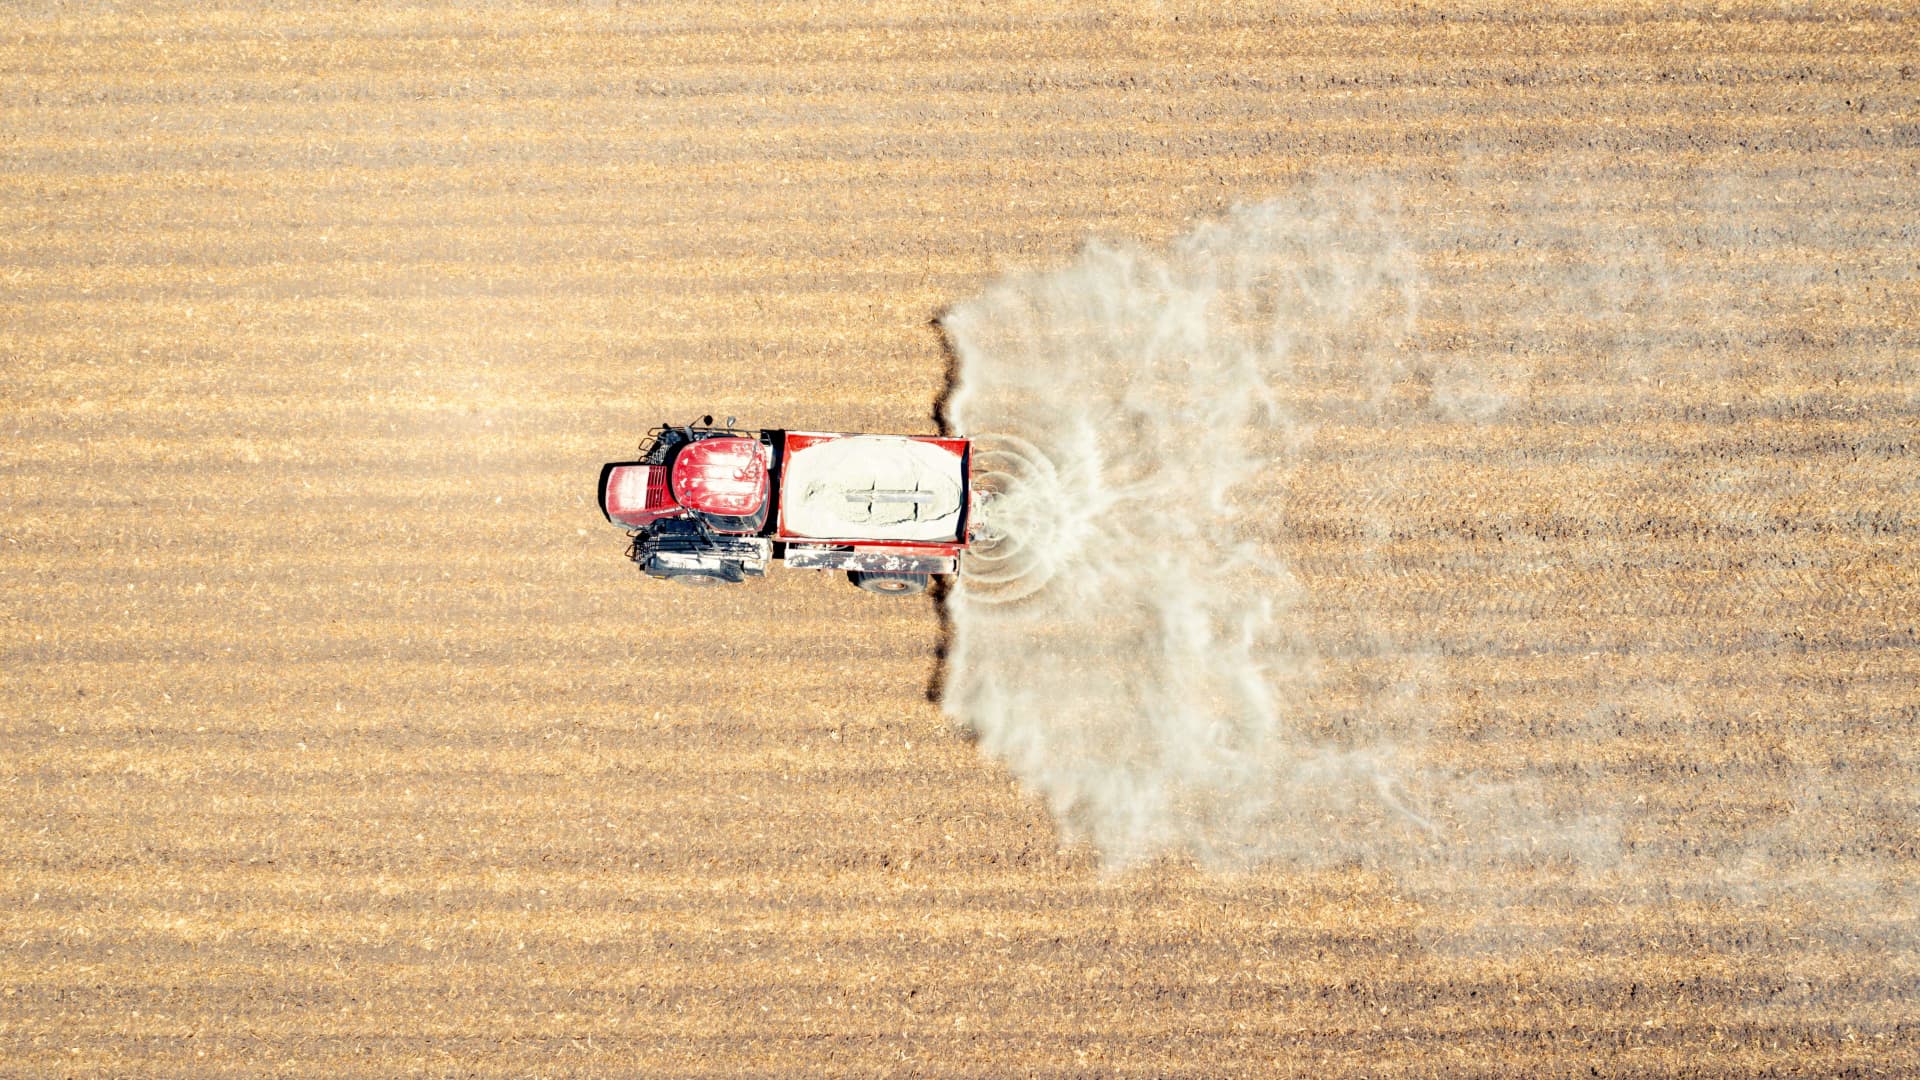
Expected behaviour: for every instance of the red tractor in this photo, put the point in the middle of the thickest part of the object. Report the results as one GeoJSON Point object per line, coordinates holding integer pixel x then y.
{"type": "Point", "coordinates": [709, 505]}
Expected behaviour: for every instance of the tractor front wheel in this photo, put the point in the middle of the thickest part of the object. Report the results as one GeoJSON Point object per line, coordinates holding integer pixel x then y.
{"type": "Point", "coordinates": [889, 584]}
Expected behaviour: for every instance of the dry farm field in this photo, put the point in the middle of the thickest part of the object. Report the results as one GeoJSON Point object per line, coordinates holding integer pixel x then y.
{"type": "Point", "coordinates": [1579, 690]}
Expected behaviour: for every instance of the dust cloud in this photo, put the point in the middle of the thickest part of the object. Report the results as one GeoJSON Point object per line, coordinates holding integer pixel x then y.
{"type": "Point", "coordinates": [1365, 527]}
{"type": "Point", "coordinates": [1128, 637]}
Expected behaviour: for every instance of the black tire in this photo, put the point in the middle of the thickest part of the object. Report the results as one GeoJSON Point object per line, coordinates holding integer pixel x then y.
{"type": "Point", "coordinates": [889, 584]}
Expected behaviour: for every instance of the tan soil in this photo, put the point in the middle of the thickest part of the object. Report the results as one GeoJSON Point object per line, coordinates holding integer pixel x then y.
{"type": "Point", "coordinates": [339, 739]}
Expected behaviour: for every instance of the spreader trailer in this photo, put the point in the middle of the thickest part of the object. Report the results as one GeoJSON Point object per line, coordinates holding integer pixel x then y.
{"type": "Point", "coordinates": [706, 505]}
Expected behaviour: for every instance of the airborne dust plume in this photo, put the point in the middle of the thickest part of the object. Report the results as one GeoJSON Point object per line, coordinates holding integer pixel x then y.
{"type": "Point", "coordinates": [1126, 641]}
{"type": "Point", "coordinates": [1272, 507]}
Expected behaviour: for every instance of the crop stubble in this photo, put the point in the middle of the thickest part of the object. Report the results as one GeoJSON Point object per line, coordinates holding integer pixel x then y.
{"type": "Point", "coordinates": [334, 744]}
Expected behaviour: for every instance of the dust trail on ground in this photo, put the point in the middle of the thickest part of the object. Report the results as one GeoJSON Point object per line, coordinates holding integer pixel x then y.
{"type": "Point", "coordinates": [1442, 544]}
{"type": "Point", "coordinates": [1127, 640]}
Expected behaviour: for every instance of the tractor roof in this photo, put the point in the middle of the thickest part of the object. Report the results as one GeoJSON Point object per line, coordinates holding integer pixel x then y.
{"type": "Point", "coordinates": [725, 476]}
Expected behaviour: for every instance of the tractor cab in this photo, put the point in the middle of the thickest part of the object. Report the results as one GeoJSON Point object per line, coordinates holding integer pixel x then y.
{"type": "Point", "coordinates": [723, 482]}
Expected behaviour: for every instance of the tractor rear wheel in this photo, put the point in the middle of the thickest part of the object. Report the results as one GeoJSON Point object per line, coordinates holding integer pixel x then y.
{"type": "Point", "coordinates": [889, 584]}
